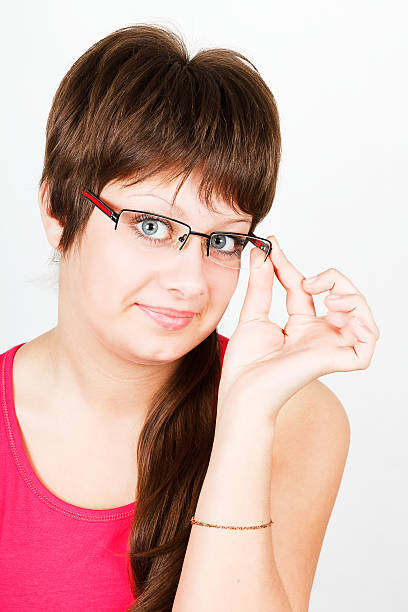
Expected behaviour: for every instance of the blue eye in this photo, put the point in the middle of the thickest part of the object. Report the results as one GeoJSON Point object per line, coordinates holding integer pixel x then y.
{"type": "Point", "coordinates": [236, 244]}
{"type": "Point", "coordinates": [151, 228]}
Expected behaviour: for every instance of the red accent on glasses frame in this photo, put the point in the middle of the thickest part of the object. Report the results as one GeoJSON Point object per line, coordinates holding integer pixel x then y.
{"type": "Point", "coordinates": [95, 200]}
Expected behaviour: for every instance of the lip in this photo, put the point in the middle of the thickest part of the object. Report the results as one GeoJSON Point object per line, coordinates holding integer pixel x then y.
{"type": "Point", "coordinates": [168, 322]}
{"type": "Point", "coordinates": [169, 312]}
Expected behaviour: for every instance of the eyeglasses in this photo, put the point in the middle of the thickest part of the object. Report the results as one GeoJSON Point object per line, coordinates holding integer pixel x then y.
{"type": "Point", "coordinates": [158, 233]}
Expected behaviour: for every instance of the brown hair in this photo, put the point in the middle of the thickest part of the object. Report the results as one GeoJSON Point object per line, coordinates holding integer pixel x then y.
{"type": "Point", "coordinates": [133, 105]}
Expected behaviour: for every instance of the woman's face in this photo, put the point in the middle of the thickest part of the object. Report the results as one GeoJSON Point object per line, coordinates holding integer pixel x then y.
{"type": "Point", "coordinates": [106, 280]}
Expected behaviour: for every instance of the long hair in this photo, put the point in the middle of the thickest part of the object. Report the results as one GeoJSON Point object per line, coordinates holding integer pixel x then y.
{"type": "Point", "coordinates": [133, 105]}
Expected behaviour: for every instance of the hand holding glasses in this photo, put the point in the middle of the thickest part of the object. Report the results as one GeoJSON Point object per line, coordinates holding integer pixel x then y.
{"type": "Point", "coordinates": [148, 231]}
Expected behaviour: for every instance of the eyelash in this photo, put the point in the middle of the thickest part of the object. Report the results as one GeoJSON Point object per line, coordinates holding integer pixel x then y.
{"type": "Point", "coordinates": [143, 217]}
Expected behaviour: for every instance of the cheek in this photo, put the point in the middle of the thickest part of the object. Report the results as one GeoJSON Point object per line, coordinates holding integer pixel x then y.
{"type": "Point", "coordinates": [226, 283]}
{"type": "Point", "coordinates": [108, 278]}
{"type": "Point", "coordinates": [222, 289]}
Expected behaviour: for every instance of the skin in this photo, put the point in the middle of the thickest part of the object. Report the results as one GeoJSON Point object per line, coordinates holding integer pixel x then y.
{"type": "Point", "coordinates": [83, 388]}
{"type": "Point", "coordinates": [265, 367]}
{"type": "Point", "coordinates": [265, 361]}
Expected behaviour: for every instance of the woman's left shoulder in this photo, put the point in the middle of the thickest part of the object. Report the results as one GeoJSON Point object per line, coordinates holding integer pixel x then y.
{"type": "Point", "coordinates": [310, 448]}
{"type": "Point", "coordinates": [314, 406]}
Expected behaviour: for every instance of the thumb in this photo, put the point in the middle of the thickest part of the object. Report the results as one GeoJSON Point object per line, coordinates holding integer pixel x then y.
{"type": "Point", "coordinates": [258, 298]}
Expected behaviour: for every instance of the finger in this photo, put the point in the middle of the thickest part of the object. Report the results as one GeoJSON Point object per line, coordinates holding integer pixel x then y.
{"type": "Point", "coordinates": [357, 355]}
{"type": "Point", "coordinates": [334, 281]}
{"type": "Point", "coordinates": [353, 303]}
{"type": "Point", "coordinates": [340, 321]}
{"type": "Point", "coordinates": [331, 280]}
{"type": "Point", "coordinates": [258, 298]}
{"type": "Point", "coordinates": [297, 300]}
{"type": "Point", "coordinates": [337, 318]}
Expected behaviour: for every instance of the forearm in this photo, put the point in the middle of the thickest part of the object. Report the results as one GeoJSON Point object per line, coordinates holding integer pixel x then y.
{"type": "Point", "coordinates": [234, 570]}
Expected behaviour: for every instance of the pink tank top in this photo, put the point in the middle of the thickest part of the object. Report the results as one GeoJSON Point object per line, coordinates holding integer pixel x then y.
{"type": "Point", "coordinates": [55, 556]}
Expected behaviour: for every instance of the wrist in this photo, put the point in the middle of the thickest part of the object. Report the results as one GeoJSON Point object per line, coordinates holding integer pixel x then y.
{"type": "Point", "coordinates": [245, 416]}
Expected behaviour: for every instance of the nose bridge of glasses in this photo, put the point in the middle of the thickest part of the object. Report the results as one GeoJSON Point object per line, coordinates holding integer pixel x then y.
{"type": "Point", "coordinates": [204, 238]}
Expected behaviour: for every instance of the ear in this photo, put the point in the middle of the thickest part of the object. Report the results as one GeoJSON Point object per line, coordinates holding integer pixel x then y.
{"type": "Point", "coordinates": [52, 226]}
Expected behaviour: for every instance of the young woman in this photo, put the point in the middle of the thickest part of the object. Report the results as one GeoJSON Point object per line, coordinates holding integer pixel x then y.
{"type": "Point", "coordinates": [148, 463]}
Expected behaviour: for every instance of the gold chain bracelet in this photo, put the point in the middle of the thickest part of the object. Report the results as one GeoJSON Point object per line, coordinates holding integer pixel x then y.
{"type": "Point", "coordinates": [194, 522]}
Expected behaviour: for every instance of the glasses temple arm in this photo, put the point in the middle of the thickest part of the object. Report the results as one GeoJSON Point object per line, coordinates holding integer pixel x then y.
{"type": "Point", "coordinates": [92, 197]}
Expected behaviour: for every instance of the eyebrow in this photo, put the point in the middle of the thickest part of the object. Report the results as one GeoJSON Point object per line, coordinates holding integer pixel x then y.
{"type": "Point", "coordinates": [181, 212]}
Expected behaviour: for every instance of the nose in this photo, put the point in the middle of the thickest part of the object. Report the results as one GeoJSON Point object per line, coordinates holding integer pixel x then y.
{"type": "Point", "coordinates": [192, 254]}
{"type": "Point", "coordinates": [184, 270]}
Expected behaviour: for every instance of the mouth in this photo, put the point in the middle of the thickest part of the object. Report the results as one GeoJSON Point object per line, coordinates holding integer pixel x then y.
{"type": "Point", "coordinates": [168, 322]}
{"type": "Point", "coordinates": [169, 312]}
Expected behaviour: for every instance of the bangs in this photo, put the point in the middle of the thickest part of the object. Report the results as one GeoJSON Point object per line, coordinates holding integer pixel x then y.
{"type": "Point", "coordinates": [136, 105]}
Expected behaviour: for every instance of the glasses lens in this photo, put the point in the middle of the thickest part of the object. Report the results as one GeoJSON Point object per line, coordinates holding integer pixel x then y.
{"type": "Point", "coordinates": [144, 230]}
{"type": "Point", "coordinates": [148, 231]}
{"type": "Point", "coordinates": [234, 250]}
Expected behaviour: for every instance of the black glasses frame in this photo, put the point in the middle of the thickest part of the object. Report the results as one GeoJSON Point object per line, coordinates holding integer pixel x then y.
{"type": "Point", "coordinates": [107, 210]}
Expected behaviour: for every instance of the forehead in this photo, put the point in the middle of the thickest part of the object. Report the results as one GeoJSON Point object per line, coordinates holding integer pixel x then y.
{"type": "Point", "coordinates": [161, 191]}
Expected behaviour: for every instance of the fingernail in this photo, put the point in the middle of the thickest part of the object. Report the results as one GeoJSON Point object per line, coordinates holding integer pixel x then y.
{"type": "Point", "coordinates": [334, 296]}
{"type": "Point", "coordinates": [310, 279]}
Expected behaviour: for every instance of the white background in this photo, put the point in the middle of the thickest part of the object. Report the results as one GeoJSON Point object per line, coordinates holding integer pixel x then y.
{"type": "Point", "coordinates": [338, 71]}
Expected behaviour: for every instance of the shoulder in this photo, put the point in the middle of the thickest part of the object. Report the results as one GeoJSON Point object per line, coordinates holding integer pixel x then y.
{"type": "Point", "coordinates": [317, 413]}
{"type": "Point", "coordinates": [310, 450]}
{"type": "Point", "coordinates": [312, 436]}
{"type": "Point", "coordinates": [315, 400]}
